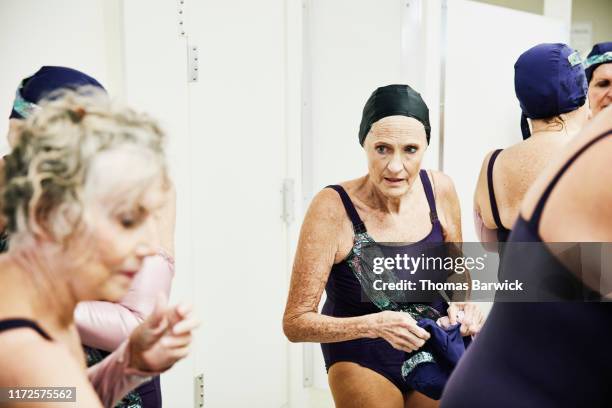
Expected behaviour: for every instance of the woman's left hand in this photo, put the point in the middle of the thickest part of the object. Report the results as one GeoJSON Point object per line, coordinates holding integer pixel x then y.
{"type": "Point", "coordinates": [163, 338]}
{"type": "Point", "coordinates": [467, 314]}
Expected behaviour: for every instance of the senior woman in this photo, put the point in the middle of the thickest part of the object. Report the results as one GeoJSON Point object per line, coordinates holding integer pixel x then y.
{"type": "Point", "coordinates": [80, 189]}
{"type": "Point", "coordinates": [364, 348]}
{"type": "Point", "coordinates": [551, 88]}
{"type": "Point", "coordinates": [102, 325]}
{"type": "Point", "coordinates": [551, 354]}
{"type": "Point", "coordinates": [598, 70]}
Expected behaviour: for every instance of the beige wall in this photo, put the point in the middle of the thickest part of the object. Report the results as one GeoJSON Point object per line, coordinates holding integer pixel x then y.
{"type": "Point", "coordinates": [599, 13]}
{"type": "Point", "coordinates": [596, 12]}
{"type": "Point", "coordinates": [531, 6]}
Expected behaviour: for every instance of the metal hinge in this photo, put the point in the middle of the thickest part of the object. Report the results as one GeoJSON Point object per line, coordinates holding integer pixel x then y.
{"type": "Point", "coordinates": [199, 391]}
{"type": "Point", "coordinates": [181, 17]}
{"type": "Point", "coordinates": [288, 194]}
{"type": "Point", "coordinates": [192, 56]}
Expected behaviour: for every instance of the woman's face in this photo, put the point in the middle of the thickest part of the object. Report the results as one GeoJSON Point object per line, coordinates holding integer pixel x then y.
{"type": "Point", "coordinates": [600, 88]}
{"type": "Point", "coordinates": [394, 147]}
{"type": "Point", "coordinates": [119, 229]}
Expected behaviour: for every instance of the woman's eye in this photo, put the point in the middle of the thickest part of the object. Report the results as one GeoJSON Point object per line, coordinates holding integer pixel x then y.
{"type": "Point", "coordinates": [603, 84]}
{"type": "Point", "coordinates": [128, 222]}
{"type": "Point", "coordinates": [410, 149]}
{"type": "Point", "coordinates": [381, 149]}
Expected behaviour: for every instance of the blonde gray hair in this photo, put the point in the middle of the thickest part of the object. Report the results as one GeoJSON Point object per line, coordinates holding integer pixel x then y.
{"type": "Point", "coordinates": [47, 172]}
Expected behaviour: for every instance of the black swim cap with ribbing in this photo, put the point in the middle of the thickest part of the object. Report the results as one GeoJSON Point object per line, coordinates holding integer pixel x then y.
{"type": "Point", "coordinates": [393, 100]}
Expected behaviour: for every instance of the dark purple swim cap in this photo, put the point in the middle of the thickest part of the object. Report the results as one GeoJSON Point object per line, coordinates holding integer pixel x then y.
{"type": "Point", "coordinates": [549, 80]}
{"type": "Point", "coordinates": [600, 54]}
{"type": "Point", "coordinates": [44, 82]}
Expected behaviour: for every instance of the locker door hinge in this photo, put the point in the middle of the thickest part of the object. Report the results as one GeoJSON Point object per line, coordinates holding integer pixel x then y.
{"type": "Point", "coordinates": [181, 17]}
{"type": "Point", "coordinates": [288, 194]}
{"type": "Point", "coordinates": [199, 391]}
{"type": "Point", "coordinates": [192, 62]}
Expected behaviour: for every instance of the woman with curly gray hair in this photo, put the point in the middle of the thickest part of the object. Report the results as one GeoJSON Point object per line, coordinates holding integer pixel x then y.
{"type": "Point", "coordinates": [80, 187]}
{"type": "Point", "coordinates": [103, 326]}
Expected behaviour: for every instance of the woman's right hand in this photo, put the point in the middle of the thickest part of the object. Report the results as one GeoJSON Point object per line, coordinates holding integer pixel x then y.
{"type": "Point", "coordinates": [400, 330]}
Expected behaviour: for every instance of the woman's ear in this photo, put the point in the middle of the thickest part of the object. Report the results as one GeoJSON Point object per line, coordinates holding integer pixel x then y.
{"type": "Point", "coordinates": [14, 131]}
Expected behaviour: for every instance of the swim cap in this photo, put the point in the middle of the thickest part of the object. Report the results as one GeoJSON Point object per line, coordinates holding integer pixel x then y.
{"type": "Point", "coordinates": [600, 54]}
{"type": "Point", "coordinates": [45, 81]}
{"type": "Point", "coordinates": [393, 100]}
{"type": "Point", "coordinates": [549, 80]}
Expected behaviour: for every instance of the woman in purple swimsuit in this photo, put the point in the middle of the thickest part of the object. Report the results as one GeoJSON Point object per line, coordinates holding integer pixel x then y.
{"type": "Point", "coordinates": [364, 348]}
{"type": "Point", "coordinates": [551, 87]}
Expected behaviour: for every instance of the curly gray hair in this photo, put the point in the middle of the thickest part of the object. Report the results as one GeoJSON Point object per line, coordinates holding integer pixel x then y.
{"type": "Point", "coordinates": [47, 175]}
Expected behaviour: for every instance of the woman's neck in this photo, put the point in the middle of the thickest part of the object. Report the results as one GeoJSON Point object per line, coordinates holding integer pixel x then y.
{"type": "Point", "coordinates": [32, 288]}
{"type": "Point", "coordinates": [369, 193]}
{"type": "Point", "coordinates": [568, 123]}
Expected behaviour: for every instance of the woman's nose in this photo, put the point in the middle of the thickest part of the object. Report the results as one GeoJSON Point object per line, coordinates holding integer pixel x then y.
{"type": "Point", "coordinates": [144, 249]}
{"type": "Point", "coordinates": [395, 165]}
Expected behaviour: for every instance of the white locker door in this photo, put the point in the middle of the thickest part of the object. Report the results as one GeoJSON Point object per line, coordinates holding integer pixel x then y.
{"type": "Point", "coordinates": [227, 156]}
{"type": "Point", "coordinates": [482, 112]}
{"type": "Point", "coordinates": [237, 114]}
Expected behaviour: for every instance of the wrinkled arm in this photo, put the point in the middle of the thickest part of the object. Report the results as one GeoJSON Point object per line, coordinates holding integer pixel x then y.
{"type": "Point", "coordinates": [314, 259]}
{"type": "Point", "coordinates": [105, 325]}
{"type": "Point", "coordinates": [449, 210]}
{"type": "Point", "coordinates": [111, 378]}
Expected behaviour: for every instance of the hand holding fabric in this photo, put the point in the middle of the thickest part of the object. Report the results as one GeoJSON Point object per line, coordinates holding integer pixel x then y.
{"type": "Point", "coordinates": [468, 314]}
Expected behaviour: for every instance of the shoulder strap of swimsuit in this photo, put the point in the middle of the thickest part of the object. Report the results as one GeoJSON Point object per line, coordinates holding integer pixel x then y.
{"type": "Point", "coordinates": [358, 225]}
{"type": "Point", "coordinates": [494, 209]}
{"type": "Point", "coordinates": [10, 324]}
{"type": "Point", "coordinates": [431, 199]}
{"type": "Point", "coordinates": [537, 212]}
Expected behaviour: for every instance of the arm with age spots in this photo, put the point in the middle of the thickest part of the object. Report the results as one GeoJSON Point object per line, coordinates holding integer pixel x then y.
{"type": "Point", "coordinates": [447, 204]}
{"type": "Point", "coordinates": [468, 314]}
{"type": "Point", "coordinates": [318, 249]}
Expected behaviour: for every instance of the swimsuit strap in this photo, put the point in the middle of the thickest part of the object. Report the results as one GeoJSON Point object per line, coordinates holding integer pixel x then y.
{"type": "Point", "coordinates": [537, 212]}
{"type": "Point", "coordinates": [10, 324]}
{"type": "Point", "coordinates": [431, 200]}
{"type": "Point", "coordinates": [494, 209]}
{"type": "Point", "coordinates": [358, 225]}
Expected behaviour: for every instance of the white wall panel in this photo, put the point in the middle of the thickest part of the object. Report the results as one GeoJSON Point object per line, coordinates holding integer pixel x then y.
{"type": "Point", "coordinates": [482, 112]}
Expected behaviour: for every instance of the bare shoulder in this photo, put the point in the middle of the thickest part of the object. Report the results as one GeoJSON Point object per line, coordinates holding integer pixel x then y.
{"type": "Point", "coordinates": [447, 202]}
{"type": "Point", "coordinates": [326, 207]}
{"type": "Point", "coordinates": [28, 358]}
{"type": "Point", "coordinates": [443, 184]}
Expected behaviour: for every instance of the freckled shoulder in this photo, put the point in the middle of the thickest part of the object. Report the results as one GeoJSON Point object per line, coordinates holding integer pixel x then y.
{"type": "Point", "coordinates": [326, 207]}
{"type": "Point", "coordinates": [447, 203]}
{"type": "Point", "coordinates": [326, 221]}
{"type": "Point", "coordinates": [443, 185]}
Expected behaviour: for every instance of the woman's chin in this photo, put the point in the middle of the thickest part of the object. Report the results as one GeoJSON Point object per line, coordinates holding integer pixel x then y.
{"type": "Point", "coordinates": [115, 289]}
{"type": "Point", "coordinates": [394, 191]}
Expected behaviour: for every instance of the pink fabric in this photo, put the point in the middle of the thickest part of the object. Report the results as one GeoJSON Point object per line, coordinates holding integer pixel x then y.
{"type": "Point", "coordinates": [112, 378]}
{"type": "Point", "coordinates": [105, 325]}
